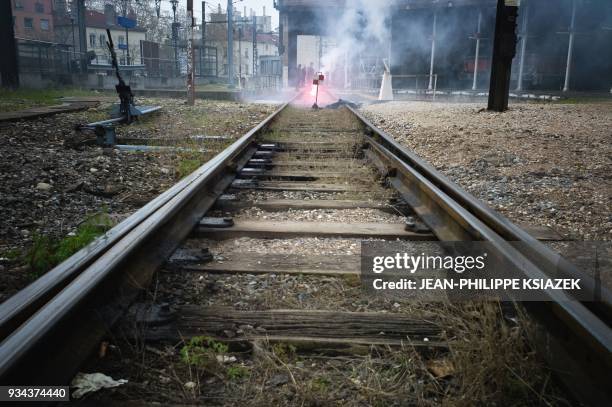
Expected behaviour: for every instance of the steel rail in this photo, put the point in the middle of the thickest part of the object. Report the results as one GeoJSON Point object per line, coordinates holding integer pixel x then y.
{"type": "Point", "coordinates": [533, 249]}
{"type": "Point", "coordinates": [85, 295]}
{"type": "Point", "coordinates": [581, 339]}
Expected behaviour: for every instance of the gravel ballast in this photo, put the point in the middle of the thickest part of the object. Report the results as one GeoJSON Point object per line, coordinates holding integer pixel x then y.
{"type": "Point", "coordinates": [543, 163]}
{"type": "Point", "coordinates": [50, 181]}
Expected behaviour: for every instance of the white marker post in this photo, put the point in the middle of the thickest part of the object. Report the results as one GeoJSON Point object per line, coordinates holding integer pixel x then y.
{"type": "Point", "coordinates": [524, 35]}
{"type": "Point", "coordinates": [570, 48]}
{"type": "Point", "coordinates": [433, 50]}
{"type": "Point", "coordinates": [477, 53]}
{"type": "Point", "coordinates": [386, 87]}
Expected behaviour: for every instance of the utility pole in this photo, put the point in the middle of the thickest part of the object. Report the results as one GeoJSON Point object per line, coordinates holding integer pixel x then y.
{"type": "Point", "coordinates": [203, 24]}
{"type": "Point", "coordinates": [240, 57]}
{"type": "Point", "coordinates": [8, 63]}
{"type": "Point", "coordinates": [190, 56]}
{"type": "Point", "coordinates": [255, 53]}
{"type": "Point", "coordinates": [230, 43]}
{"type": "Point", "coordinates": [82, 35]}
{"type": "Point", "coordinates": [504, 49]}
{"type": "Point", "coordinates": [203, 52]}
{"type": "Point", "coordinates": [127, 37]}
{"type": "Point", "coordinates": [175, 36]}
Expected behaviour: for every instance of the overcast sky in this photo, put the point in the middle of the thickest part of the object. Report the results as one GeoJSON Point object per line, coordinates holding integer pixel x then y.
{"type": "Point", "coordinates": [211, 6]}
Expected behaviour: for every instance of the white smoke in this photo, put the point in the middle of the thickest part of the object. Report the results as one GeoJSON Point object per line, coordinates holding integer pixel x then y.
{"type": "Point", "coordinates": [362, 29]}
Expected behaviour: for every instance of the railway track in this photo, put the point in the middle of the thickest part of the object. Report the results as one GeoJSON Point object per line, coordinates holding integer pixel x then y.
{"type": "Point", "coordinates": [279, 216]}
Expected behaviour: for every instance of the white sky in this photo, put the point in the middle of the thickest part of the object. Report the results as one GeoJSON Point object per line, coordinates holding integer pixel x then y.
{"type": "Point", "coordinates": [211, 6]}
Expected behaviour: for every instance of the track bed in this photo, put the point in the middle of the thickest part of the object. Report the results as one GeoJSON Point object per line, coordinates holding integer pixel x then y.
{"type": "Point", "coordinates": [280, 289]}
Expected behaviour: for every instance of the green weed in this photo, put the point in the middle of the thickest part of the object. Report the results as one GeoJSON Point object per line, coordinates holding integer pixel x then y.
{"type": "Point", "coordinates": [320, 384]}
{"type": "Point", "coordinates": [201, 351]}
{"type": "Point", "coordinates": [237, 372]}
{"type": "Point", "coordinates": [24, 98]}
{"type": "Point", "coordinates": [47, 252]}
{"type": "Point", "coordinates": [186, 166]}
{"type": "Point", "coordinates": [285, 352]}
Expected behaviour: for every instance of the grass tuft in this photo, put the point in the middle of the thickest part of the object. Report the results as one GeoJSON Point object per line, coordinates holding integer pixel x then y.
{"type": "Point", "coordinates": [47, 252]}
{"type": "Point", "coordinates": [12, 100]}
{"type": "Point", "coordinates": [202, 351]}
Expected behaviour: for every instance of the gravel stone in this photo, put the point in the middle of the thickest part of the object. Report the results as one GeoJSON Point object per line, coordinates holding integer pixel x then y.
{"type": "Point", "coordinates": [49, 185]}
{"type": "Point", "coordinates": [545, 164]}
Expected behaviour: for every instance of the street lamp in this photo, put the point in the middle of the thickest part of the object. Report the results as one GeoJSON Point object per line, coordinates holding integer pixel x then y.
{"type": "Point", "coordinates": [230, 41]}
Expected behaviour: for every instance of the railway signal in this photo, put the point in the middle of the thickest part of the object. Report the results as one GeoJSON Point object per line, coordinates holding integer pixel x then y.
{"type": "Point", "coordinates": [315, 84]}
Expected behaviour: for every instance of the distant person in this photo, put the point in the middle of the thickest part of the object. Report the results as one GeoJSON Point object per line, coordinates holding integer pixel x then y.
{"type": "Point", "coordinates": [310, 72]}
{"type": "Point", "coordinates": [300, 76]}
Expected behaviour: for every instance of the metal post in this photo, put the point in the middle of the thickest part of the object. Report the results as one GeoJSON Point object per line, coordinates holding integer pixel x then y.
{"type": "Point", "coordinates": [570, 48]}
{"type": "Point", "coordinates": [73, 42]}
{"type": "Point", "coordinates": [82, 35]}
{"type": "Point", "coordinates": [203, 24]}
{"type": "Point", "coordinates": [190, 56]}
{"type": "Point", "coordinates": [433, 50]}
{"type": "Point", "coordinates": [240, 57]}
{"type": "Point", "coordinates": [477, 53]}
{"type": "Point", "coordinates": [175, 37]}
{"type": "Point", "coordinates": [127, 45]}
{"type": "Point", "coordinates": [230, 43]}
{"type": "Point", "coordinates": [255, 53]}
{"type": "Point", "coordinates": [504, 49]}
{"type": "Point", "coordinates": [127, 36]}
{"type": "Point", "coordinates": [524, 35]}
{"type": "Point", "coordinates": [8, 63]}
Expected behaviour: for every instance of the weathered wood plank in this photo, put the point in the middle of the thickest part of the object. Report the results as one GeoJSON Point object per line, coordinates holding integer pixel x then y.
{"type": "Point", "coordinates": [334, 142]}
{"type": "Point", "coordinates": [312, 328]}
{"type": "Point", "coordinates": [254, 263]}
{"type": "Point", "coordinates": [283, 230]}
{"type": "Point", "coordinates": [279, 205]}
{"type": "Point", "coordinates": [355, 176]}
{"type": "Point", "coordinates": [299, 186]}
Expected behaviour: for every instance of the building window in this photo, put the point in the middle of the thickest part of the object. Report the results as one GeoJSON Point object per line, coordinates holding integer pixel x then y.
{"type": "Point", "coordinates": [121, 40]}
{"type": "Point", "coordinates": [102, 40]}
{"type": "Point", "coordinates": [18, 5]}
{"type": "Point", "coordinates": [246, 53]}
{"type": "Point", "coordinates": [28, 23]}
{"type": "Point", "coordinates": [92, 40]}
{"type": "Point", "coordinates": [44, 24]}
{"type": "Point", "coordinates": [39, 7]}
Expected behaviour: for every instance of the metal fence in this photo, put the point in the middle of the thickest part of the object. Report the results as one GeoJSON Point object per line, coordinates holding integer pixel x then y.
{"type": "Point", "coordinates": [45, 58]}
{"type": "Point", "coordinates": [163, 60]}
{"type": "Point", "coordinates": [263, 83]}
{"type": "Point", "coordinates": [56, 63]}
{"type": "Point", "coordinates": [400, 83]}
